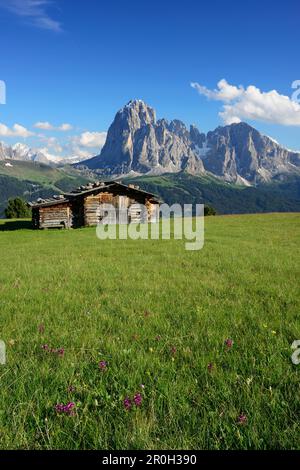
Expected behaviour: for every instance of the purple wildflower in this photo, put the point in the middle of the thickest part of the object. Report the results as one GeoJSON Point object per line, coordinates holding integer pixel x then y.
{"type": "Point", "coordinates": [137, 399]}
{"type": "Point", "coordinates": [67, 409]}
{"type": "Point", "coordinates": [210, 366]}
{"type": "Point", "coordinates": [242, 419]}
{"type": "Point", "coordinates": [228, 343]}
{"type": "Point", "coordinates": [127, 403]}
{"type": "Point", "coordinates": [59, 408]}
{"type": "Point", "coordinates": [173, 350]}
{"type": "Point", "coordinates": [59, 351]}
{"type": "Point", "coordinates": [102, 365]}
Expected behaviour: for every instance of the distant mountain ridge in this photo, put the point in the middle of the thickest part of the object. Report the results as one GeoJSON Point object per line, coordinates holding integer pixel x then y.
{"type": "Point", "coordinates": [23, 152]}
{"type": "Point", "coordinates": [138, 144]}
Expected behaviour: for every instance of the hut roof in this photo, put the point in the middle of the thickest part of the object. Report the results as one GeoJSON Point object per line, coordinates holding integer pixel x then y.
{"type": "Point", "coordinates": [91, 188]}
{"type": "Point", "coordinates": [104, 186]}
{"type": "Point", "coordinates": [52, 201]}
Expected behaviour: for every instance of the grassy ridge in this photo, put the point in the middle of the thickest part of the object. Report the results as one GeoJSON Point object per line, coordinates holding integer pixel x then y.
{"type": "Point", "coordinates": [226, 198]}
{"type": "Point", "coordinates": [30, 171]}
{"type": "Point", "coordinates": [31, 180]}
{"type": "Point", "coordinates": [158, 315]}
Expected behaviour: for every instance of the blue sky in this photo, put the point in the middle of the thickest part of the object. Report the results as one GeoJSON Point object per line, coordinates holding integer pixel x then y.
{"type": "Point", "coordinates": [78, 62]}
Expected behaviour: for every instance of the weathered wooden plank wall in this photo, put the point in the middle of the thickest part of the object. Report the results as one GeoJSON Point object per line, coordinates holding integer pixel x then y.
{"type": "Point", "coordinates": [93, 205]}
{"type": "Point", "coordinates": [55, 216]}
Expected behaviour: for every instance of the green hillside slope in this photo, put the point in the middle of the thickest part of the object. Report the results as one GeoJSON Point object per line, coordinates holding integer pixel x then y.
{"type": "Point", "coordinates": [226, 198]}
{"type": "Point", "coordinates": [32, 180]}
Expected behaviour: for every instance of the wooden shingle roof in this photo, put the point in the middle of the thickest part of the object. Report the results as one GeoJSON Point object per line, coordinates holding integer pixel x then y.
{"type": "Point", "coordinates": [92, 188]}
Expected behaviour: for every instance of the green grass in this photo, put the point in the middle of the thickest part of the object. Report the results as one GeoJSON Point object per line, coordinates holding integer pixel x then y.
{"type": "Point", "coordinates": [92, 297]}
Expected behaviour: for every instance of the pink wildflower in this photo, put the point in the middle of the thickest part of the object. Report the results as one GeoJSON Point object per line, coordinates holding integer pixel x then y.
{"type": "Point", "coordinates": [137, 399]}
{"type": "Point", "coordinates": [228, 343]}
{"type": "Point", "coordinates": [242, 419]}
{"type": "Point", "coordinates": [103, 365]}
{"type": "Point", "coordinates": [127, 403]}
{"type": "Point", "coordinates": [67, 409]}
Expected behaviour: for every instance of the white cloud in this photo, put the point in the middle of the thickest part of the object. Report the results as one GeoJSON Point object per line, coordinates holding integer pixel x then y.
{"type": "Point", "coordinates": [52, 157]}
{"type": "Point", "coordinates": [82, 146]}
{"type": "Point", "coordinates": [92, 139]}
{"type": "Point", "coordinates": [15, 131]}
{"type": "Point", "coordinates": [47, 126]}
{"type": "Point", "coordinates": [225, 92]}
{"type": "Point", "coordinates": [44, 125]}
{"type": "Point", "coordinates": [251, 103]}
{"type": "Point", "coordinates": [77, 151]}
{"type": "Point", "coordinates": [51, 143]}
{"type": "Point", "coordinates": [85, 145]}
{"type": "Point", "coordinates": [65, 127]}
{"type": "Point", "coordinates": [34, 12]}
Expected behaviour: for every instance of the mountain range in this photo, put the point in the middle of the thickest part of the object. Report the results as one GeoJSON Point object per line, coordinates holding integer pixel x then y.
{"type": "Point", "coordinates": [137, 143]}
{"type": "Point", "coordinates": [23, 152]}
{"type": "Point", "coordinates": [234, 168]}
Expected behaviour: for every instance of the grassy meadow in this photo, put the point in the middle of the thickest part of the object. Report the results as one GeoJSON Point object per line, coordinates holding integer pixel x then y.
{"type": "Point", "coordinates": [91, 322]}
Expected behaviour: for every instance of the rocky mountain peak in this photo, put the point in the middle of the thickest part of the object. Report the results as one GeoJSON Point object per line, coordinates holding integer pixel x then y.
{"type": "Point", "coordinates": [138, 112]}
{"type": "Point", "coordinates": [136, 142]}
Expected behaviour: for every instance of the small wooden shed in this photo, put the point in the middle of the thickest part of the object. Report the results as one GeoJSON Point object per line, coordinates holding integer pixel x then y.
{"type": "Point", "coordinates": [86, 206]}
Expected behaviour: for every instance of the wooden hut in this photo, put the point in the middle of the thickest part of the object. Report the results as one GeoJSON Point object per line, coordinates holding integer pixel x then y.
{"type": "Point", "coordinates": [86, 206]}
